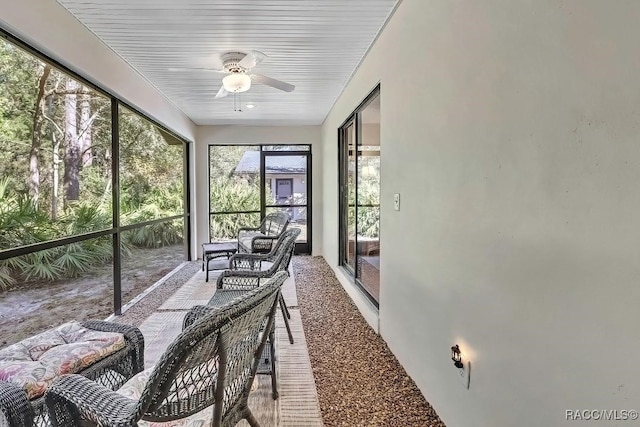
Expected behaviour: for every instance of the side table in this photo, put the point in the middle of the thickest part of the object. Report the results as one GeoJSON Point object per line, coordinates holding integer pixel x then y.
{"type": "Point", "coordinates": [215, 250]}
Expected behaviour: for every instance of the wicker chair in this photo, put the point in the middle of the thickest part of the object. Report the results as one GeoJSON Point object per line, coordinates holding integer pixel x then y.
{"type": "Point", "coordinates": [112, 371]}
{"type": "Point", "coordinates": [213, 362]}
{"type": "Point", "coordinates": [245, 271]}
{"type": "Point", "coordinates": [245, 274]}
{"type": "Point", "coordinates": [260, 239]}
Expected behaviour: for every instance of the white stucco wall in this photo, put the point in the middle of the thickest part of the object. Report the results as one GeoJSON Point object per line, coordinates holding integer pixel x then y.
{"type": "Point", "coordinates": [511, 131]}
{"type": "Point", "coordinates": [248, 135]}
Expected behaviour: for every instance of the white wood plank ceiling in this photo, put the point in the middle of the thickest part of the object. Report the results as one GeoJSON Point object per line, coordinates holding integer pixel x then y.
{"type": "Point", "coordinates": [313, 44]}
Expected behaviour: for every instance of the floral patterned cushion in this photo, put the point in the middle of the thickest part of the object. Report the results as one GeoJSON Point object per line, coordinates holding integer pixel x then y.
{"type": "Point", "coordinates": [35, 362]}
{"type": "Point", "coordinates": [133, 390]}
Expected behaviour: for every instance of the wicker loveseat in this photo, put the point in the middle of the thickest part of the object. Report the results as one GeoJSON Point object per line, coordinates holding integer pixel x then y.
{"type": "Point", "coordinates": [260, 239]}
{"type": "Point", "coordinates": [203, 378]}
{"type": "Point", "coordinates": [106, 352]}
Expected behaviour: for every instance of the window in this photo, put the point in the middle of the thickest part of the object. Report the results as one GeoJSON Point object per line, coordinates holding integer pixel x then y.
{"type": "Point", "coordinates": [359, 160]}
{"type": "Point", "coordinates": [234, 190]}
{"type": "Point", "coordinates": [72, 184]}
{"type": "Point", "coordinates": [55, 152]}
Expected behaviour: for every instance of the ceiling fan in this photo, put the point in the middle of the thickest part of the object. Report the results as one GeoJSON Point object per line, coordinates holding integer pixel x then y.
{"type": "Point", "coordinates": [236, 66]}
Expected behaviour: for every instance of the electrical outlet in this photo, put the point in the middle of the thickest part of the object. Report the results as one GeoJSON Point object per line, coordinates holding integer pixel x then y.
{"type": "Point", "coordinates": [396, 201]}
{"type": "Point", "coordinates": [464, 373]}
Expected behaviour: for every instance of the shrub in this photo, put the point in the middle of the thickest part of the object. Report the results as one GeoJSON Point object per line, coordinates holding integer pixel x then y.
{"type": "Point", "coordinates": [22, 223]}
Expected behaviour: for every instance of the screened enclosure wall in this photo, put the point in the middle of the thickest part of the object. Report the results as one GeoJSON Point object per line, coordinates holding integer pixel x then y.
{"type": "Point", "coordinates": [92, 193]}
{"type": "Point", "coordinates": [247, 182]}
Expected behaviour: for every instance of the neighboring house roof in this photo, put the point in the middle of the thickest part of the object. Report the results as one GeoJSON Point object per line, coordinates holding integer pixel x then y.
{"type": "Point", "coordinates": [250, 163]}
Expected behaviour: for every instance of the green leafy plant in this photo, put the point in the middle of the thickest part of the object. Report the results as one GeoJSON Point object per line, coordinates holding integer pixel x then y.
{"type": "Point", "coordinates": [368, 207]}
{"type": "Point", "coordinates": [231, 195]}
{"type": "Point", "coordinates": [49, 191]}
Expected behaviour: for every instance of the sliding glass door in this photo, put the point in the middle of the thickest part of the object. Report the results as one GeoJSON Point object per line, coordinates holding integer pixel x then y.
{"type": "Point", "coordinates": [359, 189]}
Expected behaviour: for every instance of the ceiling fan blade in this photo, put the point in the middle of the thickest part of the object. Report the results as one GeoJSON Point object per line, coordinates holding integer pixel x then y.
{"type": "Point", "coordinates": [221, 93]}
{"type": "Point", "coordinates": [209, 70]}
{"type": "Point", "coordinates": [259, 78]}
{"type": "Point", "coordinates": [252, 59]}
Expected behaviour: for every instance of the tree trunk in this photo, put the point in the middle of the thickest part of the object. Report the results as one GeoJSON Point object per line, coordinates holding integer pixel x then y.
{"type": "Point", "coordinates": [86, 125]}
{"type": "Point", "coordinates": [56, 177]}
{"type": "Point", "coordinates": [73, 146]}
{"type": "Point", "coordinates": [34, 164]}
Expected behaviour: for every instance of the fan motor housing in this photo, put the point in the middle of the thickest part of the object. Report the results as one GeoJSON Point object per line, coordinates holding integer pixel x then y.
{"type": "Point", "coordinates": [230, 62]}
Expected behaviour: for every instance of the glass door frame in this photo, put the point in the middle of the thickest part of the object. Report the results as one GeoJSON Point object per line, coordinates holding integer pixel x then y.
{"type": "Point", "coordinates": [343, 191]}
{"type": "Point", "coordinates": [301, 247]}
{"type": "Point", "coordinates": [355, 120]}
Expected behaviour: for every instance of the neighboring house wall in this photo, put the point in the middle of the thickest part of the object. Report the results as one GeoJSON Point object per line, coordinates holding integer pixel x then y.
{"type": "Point", "coordinates": [510, 129]}
{"type": "Point", "coordinates": [370, 134]}
{"type": "Point", "coordinates": [299, 191]}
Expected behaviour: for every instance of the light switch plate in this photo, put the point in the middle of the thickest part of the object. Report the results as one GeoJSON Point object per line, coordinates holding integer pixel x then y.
{"type": "Point", "coordinates": [396, 201]}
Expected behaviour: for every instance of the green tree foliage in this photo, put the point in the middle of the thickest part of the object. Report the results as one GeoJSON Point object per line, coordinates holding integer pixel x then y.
{"type": "Point", "coordinates": [229, 195]}
{"type": "Point", "coordinates": [55, 172]}
{"type": "Point", "coordinates": [150, 171]}
{"type": "Point", "coordinates": [368, 198]}
{"type": "Point", "coordinates": [18, 73]}
{"type": "Point", "coordinates": [231, 192]}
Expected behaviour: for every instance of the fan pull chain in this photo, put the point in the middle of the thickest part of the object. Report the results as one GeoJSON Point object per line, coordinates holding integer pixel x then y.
{"type": "Point", "coordinates": [237, 102]}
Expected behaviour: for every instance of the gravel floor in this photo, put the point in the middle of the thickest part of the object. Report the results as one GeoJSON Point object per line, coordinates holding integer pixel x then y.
{"type": "Point", "coordinates": [359, 381]}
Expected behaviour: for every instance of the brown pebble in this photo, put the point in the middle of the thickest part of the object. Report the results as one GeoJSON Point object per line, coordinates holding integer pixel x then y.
{"type": "Point", "coordinates": [359, 380]}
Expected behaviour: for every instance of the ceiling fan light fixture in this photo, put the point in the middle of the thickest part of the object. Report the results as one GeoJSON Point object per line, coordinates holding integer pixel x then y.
{"type": "Point", "coordinates": [236, 82]}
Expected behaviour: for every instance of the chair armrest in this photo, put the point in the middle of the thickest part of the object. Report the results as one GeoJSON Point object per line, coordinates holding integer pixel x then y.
{"type": "Point", "coordinates": [131, 335]}
{"type": "Point", "coordinates": [240, 279]}
{"type": "Point", "coordinates": [194, 313]}
{"type": "Point", "coordinates": [248, 229]}
{"type": "Point", "coordinates": [247, 261]}
{"type": "Point", "coordinates": [15, 405]}
{"type": "Point", "coordinates": [72, 397]}
{"type": "Point", "coordinates": [263, 243]}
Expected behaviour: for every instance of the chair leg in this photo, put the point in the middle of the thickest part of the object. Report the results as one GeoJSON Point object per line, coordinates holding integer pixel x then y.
{"type": "Point", "coordinates": [252, 420]}
{"type": "Point", "coordinates": [207, 276]}
{"type": "Point", "coordinates": [286, 309]}
{"type": "Point", "coordinates": [283, 308]}
{"type": "Point", "coordinates": [274, 380]}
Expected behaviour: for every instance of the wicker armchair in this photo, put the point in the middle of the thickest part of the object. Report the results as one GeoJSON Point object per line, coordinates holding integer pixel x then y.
{"type": "Point", "coordinates": [211, 363]}
{"type": "Point", "coordinates": [112, 371]}
{"type": "Point", "coordinates": [244, 274]}
{"type": "Point", "coordinates": [245, 271]}
{"type": "Point", "coordinates": [260, 239]}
